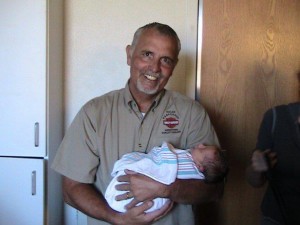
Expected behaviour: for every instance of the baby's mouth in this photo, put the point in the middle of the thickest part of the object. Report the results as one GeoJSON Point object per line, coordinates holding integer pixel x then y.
{"type": "Point", "coordinates": [151, 77]}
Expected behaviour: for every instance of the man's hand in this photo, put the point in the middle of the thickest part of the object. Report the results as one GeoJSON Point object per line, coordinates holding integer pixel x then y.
{"type": "Point", "coordinates": [140, 187]}
{"type": "Point", "coordinates": [261, 160]}
{"type": "Point", "coordinates": [260, 163]}
{"type": "Point", "coordinates": [136, 215]}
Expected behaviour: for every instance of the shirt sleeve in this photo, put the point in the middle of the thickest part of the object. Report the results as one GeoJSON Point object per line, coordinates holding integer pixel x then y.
{"type": "Point", "coordinates": [77, 156]}
{"type": "Point", "coordinates": [201, 129]}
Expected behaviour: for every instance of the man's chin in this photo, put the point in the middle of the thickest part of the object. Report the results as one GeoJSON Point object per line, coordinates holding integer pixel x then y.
{"type": "Point", "coordinates": [149, 92]}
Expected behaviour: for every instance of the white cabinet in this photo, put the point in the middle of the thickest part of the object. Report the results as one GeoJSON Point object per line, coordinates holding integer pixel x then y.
{"type": "Point", "coordinates": [23, 77]}
{"type": "Point", "coordinates": [31, 115]}
{"type": "Point", "coordinates": [21, 191]}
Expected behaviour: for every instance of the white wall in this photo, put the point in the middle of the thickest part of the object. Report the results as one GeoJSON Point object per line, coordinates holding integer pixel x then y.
{"type": "Point", "coordinates": [96, 34]}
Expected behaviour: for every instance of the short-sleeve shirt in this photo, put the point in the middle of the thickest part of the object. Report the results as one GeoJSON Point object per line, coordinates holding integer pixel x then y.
{"type": "Point", "coordinates": [111, 125]}
{"type": "Point", "coordinates": [279, 131]}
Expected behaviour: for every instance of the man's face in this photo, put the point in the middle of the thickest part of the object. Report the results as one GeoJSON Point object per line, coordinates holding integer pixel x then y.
{"type": "Point", "coordinates": [152, 61]}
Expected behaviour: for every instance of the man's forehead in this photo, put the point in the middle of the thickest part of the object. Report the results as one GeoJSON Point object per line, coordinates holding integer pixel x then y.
{"type": "Point", "coordinates": [154, 40]}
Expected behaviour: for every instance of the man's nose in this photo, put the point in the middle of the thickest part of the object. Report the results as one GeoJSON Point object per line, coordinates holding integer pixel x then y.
{"type": "Point", "coordinates": [155, 65]}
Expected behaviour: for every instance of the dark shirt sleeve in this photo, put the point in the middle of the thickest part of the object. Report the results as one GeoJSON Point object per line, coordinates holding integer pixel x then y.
{"type": "Point", "coordinates": [265, 135]}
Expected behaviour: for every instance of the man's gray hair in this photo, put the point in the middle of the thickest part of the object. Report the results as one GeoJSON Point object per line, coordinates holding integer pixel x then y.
{"type": "Point", "coordinates": [161, 28]}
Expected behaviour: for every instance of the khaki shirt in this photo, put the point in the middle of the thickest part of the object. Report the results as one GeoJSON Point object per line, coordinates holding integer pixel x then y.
{"type": "Point", "coordinates": [111, 125]}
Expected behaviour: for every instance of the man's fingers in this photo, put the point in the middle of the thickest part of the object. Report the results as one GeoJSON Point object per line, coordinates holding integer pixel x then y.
{"type": "Point", "coordinates": [165, 209]}
{"type": "Point", "coordinates": [123, 178]}
{"type": "Point", "coordinates": [132, 204]}
{"type": "Point", "coordinates": [143, 206]}
{"type": "Point", "coordinates": [122, 187]}
{"type": "Point", "coordinates": [126, 195]}
{"type": "Point", "coordinates": [157, 214]}
{"type": "Point", "coordinates": [129, 171]}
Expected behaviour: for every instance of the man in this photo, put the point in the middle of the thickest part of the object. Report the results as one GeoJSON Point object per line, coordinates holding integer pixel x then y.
{"type": "Point", "coordinates": [140, 116]}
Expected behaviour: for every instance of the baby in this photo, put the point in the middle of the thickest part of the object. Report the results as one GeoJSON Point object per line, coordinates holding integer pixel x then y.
{"type": "Point", "coordinates": [165, 164]}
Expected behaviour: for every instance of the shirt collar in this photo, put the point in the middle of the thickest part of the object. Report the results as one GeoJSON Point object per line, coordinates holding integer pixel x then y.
{"type": "Point", "coordinates": [128, 99]}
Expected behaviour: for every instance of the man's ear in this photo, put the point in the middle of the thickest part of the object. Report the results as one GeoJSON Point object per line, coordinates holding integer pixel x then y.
{"type": "Point", "coordinates": [129, 54]}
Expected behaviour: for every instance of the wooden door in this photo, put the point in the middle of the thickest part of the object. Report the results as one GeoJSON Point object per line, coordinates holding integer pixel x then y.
{"type": "Point", "coordinates": [250, 62]}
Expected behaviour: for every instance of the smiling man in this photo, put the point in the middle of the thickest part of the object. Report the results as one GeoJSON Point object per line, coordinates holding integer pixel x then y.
{"type": "Point", "coordinates": [140, 116]}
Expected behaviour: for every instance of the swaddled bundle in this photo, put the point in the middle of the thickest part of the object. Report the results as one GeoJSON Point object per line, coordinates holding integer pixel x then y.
{"type": "Point", "coordinates": [163, 164]}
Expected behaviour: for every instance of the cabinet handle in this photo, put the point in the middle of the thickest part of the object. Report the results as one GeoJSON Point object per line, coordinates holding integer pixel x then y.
{"type": "Point", "coordinates": [36, 134]}
{"type": "Point", "coordinates": [33, 183]}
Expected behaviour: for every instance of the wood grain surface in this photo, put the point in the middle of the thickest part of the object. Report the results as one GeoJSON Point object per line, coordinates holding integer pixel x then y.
{"type": "Point", "coordinates": [250, 62]}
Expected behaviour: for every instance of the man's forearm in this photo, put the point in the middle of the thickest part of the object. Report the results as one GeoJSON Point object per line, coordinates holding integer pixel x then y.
{"type": "Point", "coordinates": [254, 178]}
{"type": "Point", "coordinates": [87, 199]}
{"type": "Point", "coordinates": [194, 191]}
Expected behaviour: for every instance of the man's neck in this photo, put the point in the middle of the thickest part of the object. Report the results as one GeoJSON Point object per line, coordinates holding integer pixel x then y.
{"type": "Point", "coordinates": [143, 101]}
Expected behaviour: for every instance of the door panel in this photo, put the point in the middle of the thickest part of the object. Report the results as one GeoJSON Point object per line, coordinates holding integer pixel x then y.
{"type": "Point", "coordinates": [21, 191]}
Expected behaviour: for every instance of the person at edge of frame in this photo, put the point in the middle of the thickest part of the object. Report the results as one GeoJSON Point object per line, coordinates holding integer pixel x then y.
{"type": "Point", "coordinates": [275, 162]}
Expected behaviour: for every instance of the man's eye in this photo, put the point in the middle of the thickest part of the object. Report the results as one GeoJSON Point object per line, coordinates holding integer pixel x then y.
{"type": "Point", "coordinates": [167, 61]}
{"type": "Point", "coordinates": [147, 54]}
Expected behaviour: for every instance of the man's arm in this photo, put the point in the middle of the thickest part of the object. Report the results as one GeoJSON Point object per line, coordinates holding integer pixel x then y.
{"type": "Point", "coordinates": [194, 191]}
{"type": "Point", "coordinates": [143, 188]}
{"type": "Point", "coordinates": [88, 200]}
{"type": "Point", "coordinates": [187, 191]}
{"type": "Point", "coordinates": [254, 178]}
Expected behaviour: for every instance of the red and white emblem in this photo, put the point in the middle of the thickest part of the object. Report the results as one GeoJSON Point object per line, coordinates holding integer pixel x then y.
{"type": "Point", "coordinates": [171, 122]}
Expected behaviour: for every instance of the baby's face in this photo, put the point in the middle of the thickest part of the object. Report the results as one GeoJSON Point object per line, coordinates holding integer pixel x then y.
{"type": "Point", "coordinates": [201, 154]}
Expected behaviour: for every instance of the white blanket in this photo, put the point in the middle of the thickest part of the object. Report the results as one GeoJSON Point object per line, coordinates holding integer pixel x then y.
{"type": "Point", "coordinates": [163, 164]}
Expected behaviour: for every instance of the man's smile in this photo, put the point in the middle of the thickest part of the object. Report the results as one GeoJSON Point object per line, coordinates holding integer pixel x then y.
{"type": "Point", "coordinates": [151, 77]}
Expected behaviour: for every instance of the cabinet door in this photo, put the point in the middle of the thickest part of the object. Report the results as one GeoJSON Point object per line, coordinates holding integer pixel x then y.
{"type": "Point", "coordinates": [21, 191]}
{"type": "Point", "coordinates": [22, 77]}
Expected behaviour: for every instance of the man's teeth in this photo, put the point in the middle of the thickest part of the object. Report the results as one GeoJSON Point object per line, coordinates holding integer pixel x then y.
{"type": "Point", "coordinates": [149, 77]}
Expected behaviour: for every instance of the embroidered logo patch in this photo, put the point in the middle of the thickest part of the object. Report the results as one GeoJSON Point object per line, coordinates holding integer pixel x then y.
{"type": "Point", "coordinates": [171, 121]}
